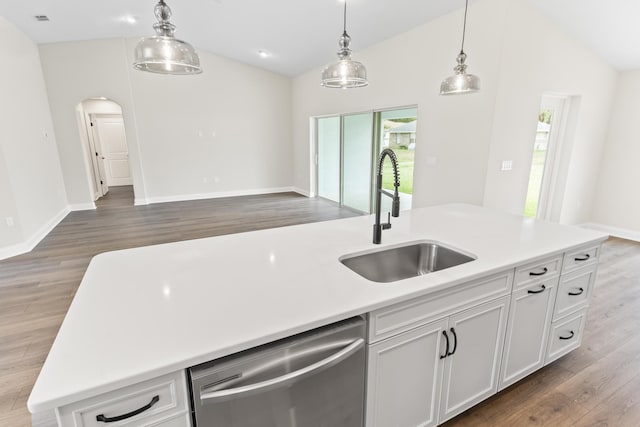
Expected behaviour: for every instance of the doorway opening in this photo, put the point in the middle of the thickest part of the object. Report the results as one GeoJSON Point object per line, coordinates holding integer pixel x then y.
{"type": "Point", "coordinates": [103, 134]}
{"type": "Point", "coordinates": [544, 162]}
{"type": "Point", "coordinates": [347, 152]}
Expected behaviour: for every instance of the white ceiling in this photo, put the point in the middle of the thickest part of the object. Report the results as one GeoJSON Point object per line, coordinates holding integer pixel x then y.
{"type": "Point", "coordinates": [609, 27]}
{"type": "Point", "coordinates": [303, 34]}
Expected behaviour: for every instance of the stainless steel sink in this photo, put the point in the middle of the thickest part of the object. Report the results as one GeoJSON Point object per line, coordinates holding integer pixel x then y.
{"type": "Point", "coordinates": [415, 259]}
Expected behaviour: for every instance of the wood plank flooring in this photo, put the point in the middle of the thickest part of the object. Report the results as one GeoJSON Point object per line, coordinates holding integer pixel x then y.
{"type": "Point", "coordinates": [596, 385]}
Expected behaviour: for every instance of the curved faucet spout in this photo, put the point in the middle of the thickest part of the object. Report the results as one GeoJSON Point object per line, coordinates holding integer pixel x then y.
{"type": "Point", "coordinates": [395, 207]}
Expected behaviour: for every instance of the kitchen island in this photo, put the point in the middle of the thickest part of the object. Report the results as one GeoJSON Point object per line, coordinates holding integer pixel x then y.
{"type": "Point", "coordinates": [144, 313]}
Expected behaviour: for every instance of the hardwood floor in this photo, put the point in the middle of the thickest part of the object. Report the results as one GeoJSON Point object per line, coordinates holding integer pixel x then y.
{"type": "Point", "coordinates": [596, 385]}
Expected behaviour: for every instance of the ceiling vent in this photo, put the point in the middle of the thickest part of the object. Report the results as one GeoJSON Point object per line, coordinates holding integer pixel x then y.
{"type": "Point", "coordinates": [42, 18]}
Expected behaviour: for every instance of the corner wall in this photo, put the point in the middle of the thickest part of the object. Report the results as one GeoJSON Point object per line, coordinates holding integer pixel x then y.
{"type": "Point", "coordinates": [537, 58]}
{"type": "Point", "coordinates": [617, 206]}
{"type": "Point", "coordinates": [223, 132]}
{"type": "Point", "coordinates": [32, 190]}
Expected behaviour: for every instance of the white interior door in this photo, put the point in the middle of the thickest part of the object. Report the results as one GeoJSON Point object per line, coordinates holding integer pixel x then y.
{"type": "Point", "coordinates": [110, 133]}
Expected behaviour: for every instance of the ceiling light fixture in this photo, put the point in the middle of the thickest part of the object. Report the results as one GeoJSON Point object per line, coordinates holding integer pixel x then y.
{"type": "Point", "coordinates": [163, 53]}
{"type": "Point", "coordinates": [263, 54]}
{"type": "Point", "coordinates": [461, 82]}
{"type": "Point", "coordinates": [345, 73]}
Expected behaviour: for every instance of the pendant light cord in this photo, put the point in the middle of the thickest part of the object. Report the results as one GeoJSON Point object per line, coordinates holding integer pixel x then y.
{"type": "Point", "coordinates": [345, 17]}
{"type": "Point", "coordinates": [464, 25]}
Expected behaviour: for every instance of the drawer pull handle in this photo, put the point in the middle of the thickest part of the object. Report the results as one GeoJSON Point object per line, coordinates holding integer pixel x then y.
{"type": "Point", "coordinates": [455, 342]}
{"type": "Point", "coordinates": [571, 334]}
{"type": "Point", "coordinates": [148, 406]}
{"type": "Point", "coordinates": [584, 258]}
{"type": "Point", "coordinates": [446, 351]}
{"type": "Point", "coordinates": [574, 294]}
{"type": "Point", "coordinates": [539, 291]}
{"type": "Point", "coordinates": [543, 272]}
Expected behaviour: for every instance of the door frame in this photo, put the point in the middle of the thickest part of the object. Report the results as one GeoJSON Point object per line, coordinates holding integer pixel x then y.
{"type": "Point", "coordinates": [95, 150]}
{"type": "Point", "coordinates": [561, 104]}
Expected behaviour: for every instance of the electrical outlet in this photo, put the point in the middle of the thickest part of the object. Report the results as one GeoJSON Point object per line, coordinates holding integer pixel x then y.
{"type": "Point", "coordinates": [9, 221]}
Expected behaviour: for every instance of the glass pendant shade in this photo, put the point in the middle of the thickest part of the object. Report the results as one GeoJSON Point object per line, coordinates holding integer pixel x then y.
{"type": "Point", "coordinates": [163, 53]}
{"type": "Point", "coordinates": [346, 73]}
{"type": "Point", "coordinates": [461, 82]}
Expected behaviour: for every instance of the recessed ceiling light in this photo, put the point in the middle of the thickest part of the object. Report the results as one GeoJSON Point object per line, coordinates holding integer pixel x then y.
{"type": "Point", "coordinates": [42, 18]}
{"type": "Point", "coordinates": [263, 54]}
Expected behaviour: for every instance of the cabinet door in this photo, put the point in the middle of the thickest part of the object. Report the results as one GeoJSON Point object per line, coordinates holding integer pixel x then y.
{"type": "Point", "coordinates": [530, 316]}
{"type": "Point", "coordinates": [471, 371]}
{"type": "Point", "coordinates": [404, 379]}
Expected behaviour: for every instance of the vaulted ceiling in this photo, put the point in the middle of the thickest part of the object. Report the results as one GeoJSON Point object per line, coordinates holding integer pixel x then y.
{"type": "Point", "coordinates": [299, 35]}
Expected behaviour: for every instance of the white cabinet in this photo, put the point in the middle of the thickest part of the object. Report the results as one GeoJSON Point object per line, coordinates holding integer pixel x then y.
{"type": "Point", "coordinates": [432, 372]}
{"type": "Point", "coordinates": [160, 402]}
{"type": "Point", "coordinates": [405, 373]}
{"type": "Point", "coordinates": [471, 369]}
{"type": "Point", "coordinates": [530, 314]}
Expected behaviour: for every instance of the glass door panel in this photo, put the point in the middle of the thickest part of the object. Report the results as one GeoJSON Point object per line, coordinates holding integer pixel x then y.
{"type": "Point", "coordinates": [357, 161]}
{"type": "Point", "coordinates": [328, 138]}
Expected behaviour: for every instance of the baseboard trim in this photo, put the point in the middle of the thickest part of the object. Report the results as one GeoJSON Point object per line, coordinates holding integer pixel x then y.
{"type": "Point", "coordinates": [32, 242]}
{"type": "Point", "coordinates": [217, 195]}
{"type": "Point", "coordinates": [614, 231]}
{"type": "Point", "coordinates": [140, 201]}
{"type": "Point", "coordinates": [302, 192]}
{"type": "Point", "coordinates": [82, 207]}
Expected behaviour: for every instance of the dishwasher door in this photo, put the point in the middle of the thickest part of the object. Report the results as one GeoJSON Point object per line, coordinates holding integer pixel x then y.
{"type": "Point", "coordinates": [315, 379]}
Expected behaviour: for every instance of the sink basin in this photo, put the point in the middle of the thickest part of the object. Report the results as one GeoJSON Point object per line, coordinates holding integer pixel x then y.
{"type": "Point", "coordinates": [415, 259]}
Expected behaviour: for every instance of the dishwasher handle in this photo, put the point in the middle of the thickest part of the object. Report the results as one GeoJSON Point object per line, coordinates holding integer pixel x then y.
{"type": "Point", "coordinates": [208, 397]}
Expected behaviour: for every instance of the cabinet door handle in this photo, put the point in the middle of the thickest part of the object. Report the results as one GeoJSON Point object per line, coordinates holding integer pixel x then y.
{"type": "Point", "coordinates": [446, 351]}
{"type": "Point", "coordinates": [573, 294]}
{"type": "Point", "coordinates": [102, 418]}
{"type": "Point", "coordinates": [543, 272]}
{"type": "Point", "coordinates": [455, 342]}
{"type": "Point", "coordinates": [539, 291]}
{"type": "Point", "coordinates": [584, 258]}
{"type": "Point", "coordinates": [571, 334]}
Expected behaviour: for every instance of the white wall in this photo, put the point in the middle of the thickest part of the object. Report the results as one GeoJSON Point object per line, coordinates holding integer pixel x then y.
{"type": "Point", "coordinates": [407, 70]}
{"type": "Point", "coordinates": [538, 57]}
{"type": "Point", "coordinates": [77, 71]}
{"type": "Point", "coordinates": [617, 204]}
{"type": "Point", "coordinates": [519, 54]}
{"type": "Point", "coordinates": [32, 189]}
{"type": "Point", "coordinates": [225, 131]}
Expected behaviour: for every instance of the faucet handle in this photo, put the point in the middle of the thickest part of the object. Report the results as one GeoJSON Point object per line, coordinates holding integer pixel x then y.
{"type": "Point", "coordinates": [388, 224]}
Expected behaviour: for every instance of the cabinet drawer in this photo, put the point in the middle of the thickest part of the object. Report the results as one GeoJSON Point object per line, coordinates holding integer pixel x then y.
{"type": "Point", "coordinates": [165, 397]}
{"type": "Point", "coordinates": [401, 317]}
{"type": "Point", "coordinates": [574, 291]}
{"type": "Point", "coordinates": [539, 270]}
{"type": "Point", "coordinates": [565, 335]}
{"type": "Point", "coordinates": [581, 258]}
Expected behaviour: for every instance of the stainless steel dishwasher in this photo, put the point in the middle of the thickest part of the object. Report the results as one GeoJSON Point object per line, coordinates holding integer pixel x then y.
{"type": "Point", "coordinates": [314, 379]}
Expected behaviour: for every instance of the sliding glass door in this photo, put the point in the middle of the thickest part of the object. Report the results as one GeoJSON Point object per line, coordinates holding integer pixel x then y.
{"type": "Point", "coordinates": [329, 171]}
{"type": "Point", "coordinates": [357, 159]}
{"type": "Point", "coordinates": [348, 147]}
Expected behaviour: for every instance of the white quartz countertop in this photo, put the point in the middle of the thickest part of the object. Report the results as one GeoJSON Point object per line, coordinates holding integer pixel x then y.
{"type": "Point", "coordinates": [144, 312]}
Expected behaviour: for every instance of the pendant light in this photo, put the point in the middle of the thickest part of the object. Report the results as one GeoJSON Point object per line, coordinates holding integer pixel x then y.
{"type": "Point", "coordinates": [346, 73]}
{"type": "Point", "coordinates": [461, 82]}
{"type": "Point", "coordinates": [163, 53]}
